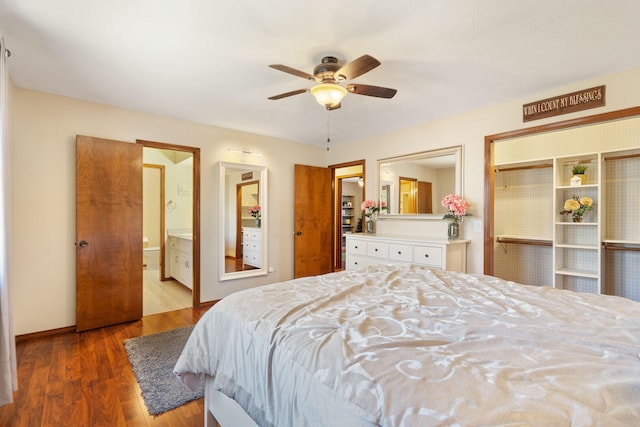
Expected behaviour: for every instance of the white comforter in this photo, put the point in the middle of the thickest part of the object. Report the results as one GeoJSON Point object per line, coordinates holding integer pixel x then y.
{"type": "Point", "coordinates": [409, 346]}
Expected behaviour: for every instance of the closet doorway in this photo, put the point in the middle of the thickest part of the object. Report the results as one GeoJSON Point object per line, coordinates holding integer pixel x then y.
{"type": "Point", "coordinates": [535, 242]}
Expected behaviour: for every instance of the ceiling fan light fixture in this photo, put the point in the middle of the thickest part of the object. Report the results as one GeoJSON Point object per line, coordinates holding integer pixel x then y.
{"type": "Point", "coordinates": [328, 94]}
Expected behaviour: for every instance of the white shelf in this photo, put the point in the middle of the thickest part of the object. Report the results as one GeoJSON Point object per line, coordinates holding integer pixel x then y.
{"type": "Point", "coordinates": [575, 224]}
{"type": "Point", "coordinates": [564, 245]}
{"type": "Point", "coordinates": [575, 187]}
{"type": "Point", "coordinates": [578, 273]}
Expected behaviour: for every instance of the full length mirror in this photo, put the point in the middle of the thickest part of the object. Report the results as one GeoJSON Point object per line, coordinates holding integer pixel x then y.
{"type": "Point", "coordinates": [414, 184]}
{"type": "Point", "coordinates": [243, 220]}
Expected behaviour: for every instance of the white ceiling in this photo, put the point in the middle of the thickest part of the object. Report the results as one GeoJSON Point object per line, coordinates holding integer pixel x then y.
{"type": "Point", "coordinates": [207, 61]}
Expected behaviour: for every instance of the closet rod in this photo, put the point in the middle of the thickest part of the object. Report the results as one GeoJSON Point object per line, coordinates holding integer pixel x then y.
{"type": "Point", "coordinates": [518, 168]}
{"type": "Point", "coordinates": [516, 241]}
{"type": "Point", "coordinates": [614, 247]}
{"type": "Point", "coordinates": [628, 156]}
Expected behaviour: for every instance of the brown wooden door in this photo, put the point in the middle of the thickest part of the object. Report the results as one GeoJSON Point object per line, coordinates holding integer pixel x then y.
{"type": "Point", "coordinates": [108, 232]}
{"type": "Point", "coordinates": [425, 205]}
{"type": "Point", "coordinates": [312, 221]}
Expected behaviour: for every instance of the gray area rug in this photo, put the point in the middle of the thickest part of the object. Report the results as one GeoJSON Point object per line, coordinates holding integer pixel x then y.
{"type": "Point", "coordinates": [153, 358]}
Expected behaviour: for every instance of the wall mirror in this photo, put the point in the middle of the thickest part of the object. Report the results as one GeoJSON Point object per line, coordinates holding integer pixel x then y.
{"type": "Point", "coordinates": [413, 185]}
{"type": "Point", "coordinates": [243, 220]}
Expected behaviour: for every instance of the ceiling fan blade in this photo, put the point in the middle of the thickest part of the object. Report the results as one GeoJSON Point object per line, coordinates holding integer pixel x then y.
{"type": "Point", "coordinates": [286, 94]}
{"type": "Point", "coordinates": [368, 90]}
{"type": "Point", "coordinates": [293, 71]}
{"type": "Point", "coordinates": [356, 68]}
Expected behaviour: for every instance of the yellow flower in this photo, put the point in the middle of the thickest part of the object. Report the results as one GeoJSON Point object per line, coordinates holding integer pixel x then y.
{"type": "Point", "coordinates": [586, 201]}
{"type": "Point", "coordinates": [571, 205]}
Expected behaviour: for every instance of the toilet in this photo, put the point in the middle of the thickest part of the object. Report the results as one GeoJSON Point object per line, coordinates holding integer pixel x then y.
{"type": "Point", "coordinates": [150, 255]}
{"type": "Point", "coordinates": [152, 258]}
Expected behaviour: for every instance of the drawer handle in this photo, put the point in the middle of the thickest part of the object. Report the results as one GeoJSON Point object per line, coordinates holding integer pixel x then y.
{"type": "Point", "coordinates": [426, 255]}
{"type": "Point", "coordinates": [376, 249]}
{"type": "Point", "coordinates": [356, 246]}
{"type": "Point", "coordinates": [355, 262]}
{"type": "Point", "coordinates": [399, 252]}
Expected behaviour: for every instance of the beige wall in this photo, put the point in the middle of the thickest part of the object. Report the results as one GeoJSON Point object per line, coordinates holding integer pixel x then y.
{"type": "Point", "coordinates": [151, 206]}
{"type": "Point", "coordinates": [44, 129]}
{"type": "Point", "coordinates": [469, 129]}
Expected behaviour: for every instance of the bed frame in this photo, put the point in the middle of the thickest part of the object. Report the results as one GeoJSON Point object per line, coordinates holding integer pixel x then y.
{"type": "Point", "coordinates": [227, 412]}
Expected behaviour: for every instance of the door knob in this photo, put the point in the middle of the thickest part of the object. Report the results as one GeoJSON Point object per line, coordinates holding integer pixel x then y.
{"type": "Point", "coordinates": [299, 233]}
{"type": "Point", "coordinates": [83, 243]}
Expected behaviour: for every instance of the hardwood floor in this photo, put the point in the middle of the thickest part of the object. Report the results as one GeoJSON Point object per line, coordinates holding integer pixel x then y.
{"type": "Point", "coordinates": [85, 379]}
{"type": "Point", "coordinates": [232, 264]}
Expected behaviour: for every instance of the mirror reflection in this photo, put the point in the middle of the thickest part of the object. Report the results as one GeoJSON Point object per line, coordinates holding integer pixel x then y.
{"type": "Point", "coordinates": [243, 220]}
{"type": "Point", "coordinates": [414, 184]}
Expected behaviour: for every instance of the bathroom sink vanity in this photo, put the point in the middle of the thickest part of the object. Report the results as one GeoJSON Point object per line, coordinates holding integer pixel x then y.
{"type": "Point", "coordinates": [180, 257]}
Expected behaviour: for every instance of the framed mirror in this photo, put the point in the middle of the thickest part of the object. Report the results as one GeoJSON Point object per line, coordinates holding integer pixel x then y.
{"type": "Point", "coordinates": [413, 185]}
{"type": "Point", "coordinates": [243, 220]}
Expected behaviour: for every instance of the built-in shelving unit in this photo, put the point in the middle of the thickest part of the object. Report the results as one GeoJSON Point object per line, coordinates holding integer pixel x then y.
{"type": "Point", "coordinates": [348, 214]}
{"type": "Point", "coordinates": [576, 245]}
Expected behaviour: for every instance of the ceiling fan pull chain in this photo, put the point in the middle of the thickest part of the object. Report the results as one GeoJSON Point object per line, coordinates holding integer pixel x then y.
{"type": "Point", "coordinates": [328, 138]}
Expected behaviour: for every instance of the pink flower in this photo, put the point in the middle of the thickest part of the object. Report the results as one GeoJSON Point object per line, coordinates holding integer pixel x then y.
{"type": "Point", "coordinates": [456, 206]}
{"type": "Point", "coordinates": [369, 208]}
{"type": "Point", "coordinates": [254, 211]}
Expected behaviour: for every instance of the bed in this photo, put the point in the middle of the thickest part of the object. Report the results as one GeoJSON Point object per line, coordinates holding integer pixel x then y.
{"type": "Point", "coordinates": [408, 346]}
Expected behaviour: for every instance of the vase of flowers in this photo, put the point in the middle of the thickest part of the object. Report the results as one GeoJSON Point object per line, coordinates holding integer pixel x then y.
{"type": "Point", "coordinates": [456, 210]}
{"type": "Point", "coordinates": [578, 177]}
{"type": "Point", "coordinates": [576, 206]}
{"type": "Point", "coordinates": [369, 209]}
{"type": "Point", "coordinates": [255, 212]}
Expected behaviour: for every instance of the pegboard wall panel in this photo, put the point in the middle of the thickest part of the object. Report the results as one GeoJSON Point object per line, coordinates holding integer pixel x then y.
{"type": "Point", "coordinates": [577, 259]}
{"type": "Point", "coordinates": [622, 274]}
{"type": "Point", "coordinates": [530, 265]}
{"type": "Point", "coordinates": [622, 199]}
{"type": "Point", "coordinates": [577, 284]}
{"type": "Point", "coordinates": [523, 205]}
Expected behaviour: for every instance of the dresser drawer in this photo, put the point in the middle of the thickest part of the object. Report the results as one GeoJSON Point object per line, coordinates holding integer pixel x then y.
{"type": "Point", "coordinates": [355, 262]}
{"type": "Point", "coordinates": [428, 255]}
{"type": "Point", "coordinates": [400, 252]}
{"type": "Point", "coordinates": [252, 235]}
{"type": "Point", "coordinates": [378, 249]}
{"type": "Point", "coordinates": [358, 247]}
{"type": "Point", "coordinates": [251, 245]}
{"type": "Point", "coordinates": [252, 258]}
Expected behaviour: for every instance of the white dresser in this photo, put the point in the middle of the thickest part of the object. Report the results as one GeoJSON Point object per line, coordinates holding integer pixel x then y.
{"type": "Point", "coordinates": [441, 253]}
{"type": "Point", "coordinates": [252, 246]}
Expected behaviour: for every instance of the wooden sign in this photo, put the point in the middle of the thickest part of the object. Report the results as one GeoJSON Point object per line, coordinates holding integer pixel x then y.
{"type": "Point", "coordinates": [564, 104]}
{"type": "Point", "coordinates": [247, 175]}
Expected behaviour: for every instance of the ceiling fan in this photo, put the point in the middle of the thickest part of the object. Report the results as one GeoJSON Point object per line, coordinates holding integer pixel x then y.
{"type": "Point", "coordinates": [329, 74]}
